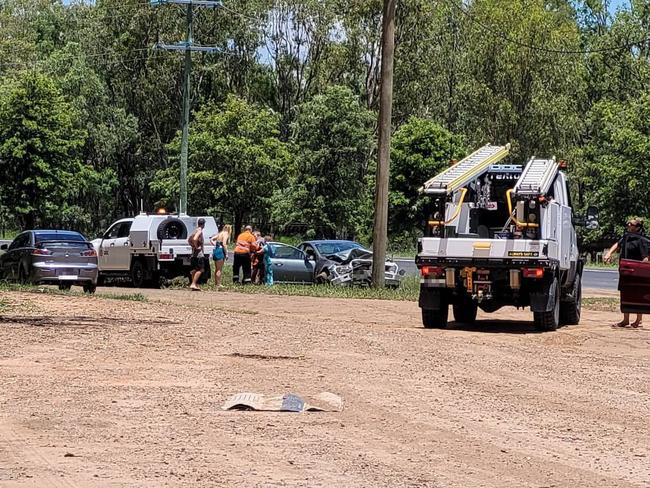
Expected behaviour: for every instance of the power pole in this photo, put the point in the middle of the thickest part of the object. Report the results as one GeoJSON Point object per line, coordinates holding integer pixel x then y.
{"type": "Point", "coordinates": [187, 46]}
{"type": "Point", "coordinates": [380, 230]}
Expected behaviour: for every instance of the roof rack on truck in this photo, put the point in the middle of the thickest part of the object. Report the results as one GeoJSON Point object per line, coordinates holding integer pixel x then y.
{"type": "Point", "coordinates": [537, 177]}
{"type": "Point", "coordinates": [466, 170]}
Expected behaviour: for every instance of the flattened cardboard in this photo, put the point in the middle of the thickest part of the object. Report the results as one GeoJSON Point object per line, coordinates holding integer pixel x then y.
{"type": "Point", "coordinates": [289, 402]}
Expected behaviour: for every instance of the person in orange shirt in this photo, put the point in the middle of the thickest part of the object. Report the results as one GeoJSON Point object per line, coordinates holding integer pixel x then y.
{"type": "Point", "coordinates": [244, 246]}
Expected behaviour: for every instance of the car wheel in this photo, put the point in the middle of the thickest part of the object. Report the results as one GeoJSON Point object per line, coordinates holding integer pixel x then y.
{"type": "Point", "coordinates": [64, 286]}
{"type": "Point", "coordinates": [90, 289]}
{"type": "Point", "coordinates": [22, 276]}
{"type": "Point", "coordinates": [570, 310]}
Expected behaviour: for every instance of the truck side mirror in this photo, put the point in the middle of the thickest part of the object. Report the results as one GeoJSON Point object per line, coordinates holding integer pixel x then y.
{"type": "Point", "coordinates": [591, 218]}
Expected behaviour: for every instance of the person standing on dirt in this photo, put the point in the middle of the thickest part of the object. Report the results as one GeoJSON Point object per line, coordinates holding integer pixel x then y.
{"type": "Point", "coordinates": [220, 242]}
{"type": "Point", "coordinates": [268, 265]}
{"type": "Point", "coordinates": [635, 249]}
{"type": "Point", "coordinates": [198, 257]}
{"type": "Point", "coordinates": [244, 246]}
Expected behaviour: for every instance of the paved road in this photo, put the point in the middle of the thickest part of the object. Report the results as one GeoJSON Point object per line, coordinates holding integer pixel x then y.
{"type": "Point", "coordinates": [602, 279]}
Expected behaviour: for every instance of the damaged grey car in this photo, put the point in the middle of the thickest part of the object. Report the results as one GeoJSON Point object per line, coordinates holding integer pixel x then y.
{"type": "Point", "coordinates": [346, 263]}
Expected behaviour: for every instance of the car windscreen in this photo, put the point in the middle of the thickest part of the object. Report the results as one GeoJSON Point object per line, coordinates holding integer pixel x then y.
{"type": "Point", "coordinates": [327, 248]}
{"type": "Point", "coordinates": [69, 237]}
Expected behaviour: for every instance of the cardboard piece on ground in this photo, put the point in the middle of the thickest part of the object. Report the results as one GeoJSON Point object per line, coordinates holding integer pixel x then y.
{"type": "Point", "coordinates": [289, 402]}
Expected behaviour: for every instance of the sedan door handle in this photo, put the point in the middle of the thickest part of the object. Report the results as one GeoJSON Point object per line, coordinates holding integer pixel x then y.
{"type": "Point", "coordinates": [627, 270]}
{"type": "Point", "coordinates": [278, 264]}
{"type": "Point", "coordinates": [112, 244]}
{"type": "Point", "coordinates": [126, 243]}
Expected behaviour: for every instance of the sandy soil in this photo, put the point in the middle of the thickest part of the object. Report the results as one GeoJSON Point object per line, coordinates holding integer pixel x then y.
{"type": "Point", "coordinates": [98, 392]}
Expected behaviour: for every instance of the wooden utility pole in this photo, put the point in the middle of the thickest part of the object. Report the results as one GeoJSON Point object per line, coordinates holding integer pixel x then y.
{"type": "Point", "coordinates": [380, 230]}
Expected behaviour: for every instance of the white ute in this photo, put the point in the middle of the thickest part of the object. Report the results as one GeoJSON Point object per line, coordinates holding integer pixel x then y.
{"type": "Point", "coordinates": [150, 249]}
{"type": "Point", "coordinates": [500, 234]}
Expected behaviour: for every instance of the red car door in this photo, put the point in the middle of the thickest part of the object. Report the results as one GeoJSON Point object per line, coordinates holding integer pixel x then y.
{"type": "Point", "coordinates": [634, 276]}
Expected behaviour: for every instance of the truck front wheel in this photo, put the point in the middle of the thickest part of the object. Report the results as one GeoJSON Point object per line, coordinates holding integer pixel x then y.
{"type": "Point", "coordinates": [570, 310]}
{"type": "Point", "coordinates": [546, 321]}
{"type": "Point", "coordinates": [435, 319]}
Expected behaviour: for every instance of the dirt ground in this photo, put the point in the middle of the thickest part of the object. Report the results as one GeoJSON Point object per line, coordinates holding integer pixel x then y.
{"type": "Point", "coordinates": [113, 393]}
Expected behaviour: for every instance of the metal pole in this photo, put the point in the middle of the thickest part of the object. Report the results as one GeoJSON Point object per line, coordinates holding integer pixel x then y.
{"type": "Point", "coordinates": [186, 112]}
{"type": "Point", "coordinates": [380, 230]}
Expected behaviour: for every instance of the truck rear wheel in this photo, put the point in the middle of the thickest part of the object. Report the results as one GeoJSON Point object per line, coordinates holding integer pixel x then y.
{"type": "Point", "coordinates": [435, 319]}
{"type": "Point", "coordinates": [546, 321]}
{"type": "Point", "coordinates": [138, 273]}
{"type": "Point", "coordinates": [570, 310]}
{"type": "Point", "coordinates": [465, 311]}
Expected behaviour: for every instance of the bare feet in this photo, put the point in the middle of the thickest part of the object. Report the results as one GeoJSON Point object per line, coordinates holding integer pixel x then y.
{"type": "Point", "coordinates": [622, 324]}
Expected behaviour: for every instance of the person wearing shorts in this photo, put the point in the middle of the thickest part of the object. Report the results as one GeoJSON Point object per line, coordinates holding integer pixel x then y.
{"type": "Point", "coordinates": [198, 257]}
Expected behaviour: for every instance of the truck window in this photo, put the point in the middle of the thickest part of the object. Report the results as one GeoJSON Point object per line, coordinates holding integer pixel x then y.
{"type": "Point", "coordinates": [124, 230]}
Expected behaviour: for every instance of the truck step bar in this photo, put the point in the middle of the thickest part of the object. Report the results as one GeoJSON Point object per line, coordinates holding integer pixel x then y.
{"type": "Point", "coordinates": [537, 177]}
{"type": "Point", "coordinates": [466, 170]}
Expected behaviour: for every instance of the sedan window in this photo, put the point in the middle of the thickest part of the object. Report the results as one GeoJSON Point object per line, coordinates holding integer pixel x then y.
{"type": "Point", "coordinates": [281, 251]}
{"type": "Point", "coordinates": [21, 241]}
{"type": "Point", "coordinates": [58, 236]}
{"type": "Point", "coordinates": [327, 248]}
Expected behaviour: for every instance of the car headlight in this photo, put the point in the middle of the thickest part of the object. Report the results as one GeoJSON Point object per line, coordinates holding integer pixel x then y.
{"type": "Point", "coordinates": [343, 269]}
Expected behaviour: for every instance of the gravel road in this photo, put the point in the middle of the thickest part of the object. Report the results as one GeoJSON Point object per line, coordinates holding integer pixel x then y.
{"type": "Point", "coordinates": [114, 393]}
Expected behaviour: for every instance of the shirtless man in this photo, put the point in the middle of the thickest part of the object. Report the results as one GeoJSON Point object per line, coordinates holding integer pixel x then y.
{"type": "Point", "coordinates": [198, 257]}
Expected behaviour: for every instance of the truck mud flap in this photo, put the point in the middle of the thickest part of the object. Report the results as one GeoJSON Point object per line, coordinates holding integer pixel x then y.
{"type": "Point", "coordinates": [430, 299]}
{"type": "Point", "coordinates": [544, 301]}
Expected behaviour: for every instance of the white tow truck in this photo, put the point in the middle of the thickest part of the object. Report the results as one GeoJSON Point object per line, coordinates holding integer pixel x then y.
{"type": "Point", "coordinates": [500, 234]}
{"type": "Point", "coordinates": [150, 249]}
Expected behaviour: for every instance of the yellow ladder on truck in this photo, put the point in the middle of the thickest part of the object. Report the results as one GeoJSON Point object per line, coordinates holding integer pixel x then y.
{"type": "Point", "coordinates": [537, 177]}
{"type": "Point", "coordinates": [466, 170]}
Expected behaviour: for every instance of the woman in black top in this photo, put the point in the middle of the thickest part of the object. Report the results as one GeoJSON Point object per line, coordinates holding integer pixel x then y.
{"type": "Point", "coordinates": [635, 249]}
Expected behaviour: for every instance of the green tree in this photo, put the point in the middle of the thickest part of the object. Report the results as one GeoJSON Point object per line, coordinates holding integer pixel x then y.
{"type": "Point", "coordinates": [613, 168]}
{"type": "Point", "coordinates": [333, 138]}
{"type": "Point", "coordinates": [236, 161]}
{"type": "Point", "coordinates": [39, 152]}
{"type": "Point", "coordinates": [420, 149]}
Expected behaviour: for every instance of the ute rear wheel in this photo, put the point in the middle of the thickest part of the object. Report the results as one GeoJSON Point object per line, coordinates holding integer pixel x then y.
{"type": "Point", "coordinates": [435, 319]}
{"type": "Point", "coordinates": [465, 311]}
{"type": "Point", "coordinates": [138, 274]}
{"type": "Point", "coordinates": [548, 321]}
{"type": "Point", "coordinates": [65, 286]}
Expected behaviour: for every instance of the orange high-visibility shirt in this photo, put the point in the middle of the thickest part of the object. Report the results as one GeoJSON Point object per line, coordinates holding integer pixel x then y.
{"type": "Point", "coordinates": [245, 242]}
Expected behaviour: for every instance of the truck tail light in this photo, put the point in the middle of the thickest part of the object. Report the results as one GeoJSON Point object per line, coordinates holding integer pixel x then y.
{"type": "Point", "coordinates": [165, 255]}
{"type": "Point", "coordinates": [41, 252]}
{"type": "Point", "coordinates": [432, 271]}
{"type": "Point", "coordinates": [536, 273]}
{"type": "Point", "coordinates": [89, 253]}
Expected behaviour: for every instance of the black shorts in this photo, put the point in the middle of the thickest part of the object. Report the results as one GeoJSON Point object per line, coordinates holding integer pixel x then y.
{"type": "Point", "coordinates": [197, 263]}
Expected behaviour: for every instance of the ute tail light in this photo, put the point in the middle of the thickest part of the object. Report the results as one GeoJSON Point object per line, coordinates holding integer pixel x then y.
{"type": "Point", "coordinates": [89, 253]}
{"type": "Point", "coordinates": [41, 252]}
{"type": "Point", "coordinates": [536, 273]}
{"type": "Point", "coordinates": [432, 271]}
{"type": "Point", "coordinates": [165, 256]}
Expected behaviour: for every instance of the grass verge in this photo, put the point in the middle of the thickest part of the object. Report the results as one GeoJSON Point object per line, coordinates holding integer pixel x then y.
{"type": "Point", "coordinates": [601, 304]}
{"type": "Point", "coordinates": [51, 290]}
{"type": "Point", "coordinates": [408, 290]}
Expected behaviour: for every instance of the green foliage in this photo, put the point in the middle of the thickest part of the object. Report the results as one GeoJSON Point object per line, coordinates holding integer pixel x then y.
{"type": "Point", "coordinates": [420, 149]}
{"type": "Point", "coordinates": [332, 135]}
{"type": "Point", "coordinates": [613, 166]}
{"type": "Point", "coordinates": [236, 161]}
{"type": "Point", "coordinates": [39, 151]}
